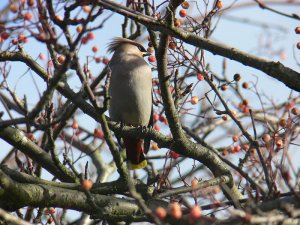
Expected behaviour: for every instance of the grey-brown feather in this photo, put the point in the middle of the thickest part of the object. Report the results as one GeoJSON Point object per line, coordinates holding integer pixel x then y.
{"type": "Point", "coordinates": [130, 85]}
{"type": "Point", "coordinates": [117, 42]}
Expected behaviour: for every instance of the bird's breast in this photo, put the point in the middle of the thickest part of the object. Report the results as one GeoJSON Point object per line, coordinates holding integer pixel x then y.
{"type": "Point", "coordinates": [131, 93]}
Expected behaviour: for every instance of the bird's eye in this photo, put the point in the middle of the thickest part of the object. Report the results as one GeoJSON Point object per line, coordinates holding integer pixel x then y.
{"type": "Point", "coordinates": [141, 48]}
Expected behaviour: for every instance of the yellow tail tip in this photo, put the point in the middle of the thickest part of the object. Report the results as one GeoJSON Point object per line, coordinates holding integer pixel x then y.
{"type": "Point", "coordinates": [141, 165]}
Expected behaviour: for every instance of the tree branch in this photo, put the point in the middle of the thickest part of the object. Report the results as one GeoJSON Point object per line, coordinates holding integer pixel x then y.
{"type": "Point", "coordinates": [284, 74]}
{"type": "Point", "coordinates": [12, 219]}
{"type": "Point", "coordinates": [41, 195]}
{"type": "Point", "coordinates": [201, 185]}
{"type": "Point", "coordinates": [19, 141]}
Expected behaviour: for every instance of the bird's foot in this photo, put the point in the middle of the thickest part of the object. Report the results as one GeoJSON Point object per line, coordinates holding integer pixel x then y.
{"type": "Point", "coordinates": [121, 124]}
{"type": "Point", "coordinates": [143, 128]}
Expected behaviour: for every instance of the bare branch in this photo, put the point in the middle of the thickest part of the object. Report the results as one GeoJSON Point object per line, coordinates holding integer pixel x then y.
{"type": "Point", "coordinates": [284, 74]}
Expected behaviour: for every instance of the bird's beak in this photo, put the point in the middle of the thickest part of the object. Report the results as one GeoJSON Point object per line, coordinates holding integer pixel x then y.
{"type": "Point", "coordinates": [146, 54]}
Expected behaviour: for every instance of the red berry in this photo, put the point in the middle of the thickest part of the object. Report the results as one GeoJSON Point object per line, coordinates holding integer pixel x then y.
{"type": "Point", "coordinates": [86, 9]}
{"type": "Point", "coordinates": [84, 40]}
{"type": "Point", "coordinates": [49, 220]}
{"type": "Point", "coordinates": [290, 105]}
{"type": "Point", "coordinates": [297, 30]}
{"type": "Point", "coordinates": [152, 58]}
{"type": "Point", "coordinates": [182, 13]}
{"type": "Point", "coordinates": [295, 111]}
{"type": "Point", "coordinates": [286, 175]}
{"type": "Point", "coordinates": [79, 29]}
{"type": "Point", "coordinates": [185, 5]}
{"type": "Point", "coordinates": [237, 148]}
{"type": "Point", "coordinates": [75, 125]}
{"type": "Point", "coordinates": [87, 185]}
{"type": "Point", "coordinates": [177, 22]}
{"type": "Point", "coordinates": [245, 85]}
{"type": "Point", "coordinates": [266, 138]}
{"type": "Point", "coordinates": [156, 127]}
{"type": "Point", "coordinates": [95, 49]}
{"type": "Point", "coordinates": [215, 190]}
{"type": "Point", "coordinates": [59, 18]}
{"type": "Point", "coordinates": [219, 4]}
{"type": "Point", "coordinates": [235, 138]}
{"type": "Point", "coordinates": [279, 143]}
{"type": "Point", "coordinates": [194, 183]}
{"type": "Point", "coordinates": [200, 76]}
{"type": "Point", "coordinates": [30, 3]}
{"type": "Point", "coordinates": [298, 45]}
{"type": "Point", "coordinates": [91, 36]}
{"type": "Point", "coordinates": [14, 41]}
{"type": "Point", "coordinates": [196, 212]}
{"type": "Point", "coordinates": [282, 122]}
{"type": "Point", "coordinates": [246, 147]}
{"type": "Point", "coordinates": [163, 119]}
{"type": "Point", "coordinates": [174, 155]}
{"type": "Point", "coordinates": [27, 16]}
{"type": "Point", "coordinates": [13, 8]}
{"type": "Point", "coordinates": [245, 102]}
{"type": "Point", "coordinates": [225, 152]}
{"type": "Point", "coordinates": [224, 117]}
{"type": "Point", "coordinates": [42, 56]}
{"type": "Point", "coordinates": [245, 109]}
{"type": "Point", "coordinates": [30, 136]}
{"type": "Point", "coordinates": [252, 150]}
{"type": "Point", "coordinates": [98, 60]}
{"type": "Point", "coordinates": [161, 213]}
{"type": "Point", "coordinates": [172, 45]}
{"type": "Point", "coordinates": [194, 100]}
{"type": "Point", "coordinates": [237, 77]}
{"type": "Point", "coordinates": [22, 38]}
{"type": "Point", "coordinates": [61, 59]}
{"type": "Point", "coordinates": [105, 61]}
{"type": "Point", "coordinates": [154, 146]}
{"type": "Point", "coordinates": [150, 50]}
{"type": "Point", "coordinates": [175, 210]}
{"type": "Point", "coordinates": [4, 35]}
{"type": "Point", "coordinates": [155, 117]}
{"type": "Point", "coordinates": [98, 133]}
{"type": "Point", "coordinates": [224, 87]}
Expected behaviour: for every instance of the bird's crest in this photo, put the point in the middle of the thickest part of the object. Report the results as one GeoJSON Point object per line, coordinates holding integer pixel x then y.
{"type": "Point", "coordinates": [116, 42]}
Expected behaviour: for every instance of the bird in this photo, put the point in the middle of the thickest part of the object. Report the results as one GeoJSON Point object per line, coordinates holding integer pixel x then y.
{"type": "Point", "coordinates": [130, 91]}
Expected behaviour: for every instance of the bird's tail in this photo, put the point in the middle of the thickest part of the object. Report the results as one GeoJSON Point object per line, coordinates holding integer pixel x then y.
{"type": "Point", "coordinates": [135, 153]}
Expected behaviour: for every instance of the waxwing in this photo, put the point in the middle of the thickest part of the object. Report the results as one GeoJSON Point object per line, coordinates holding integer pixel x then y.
{"type": "Point", "coordinates": [130, 90]}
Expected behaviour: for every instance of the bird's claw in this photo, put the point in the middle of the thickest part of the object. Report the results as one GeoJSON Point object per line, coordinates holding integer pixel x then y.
{"type": "Point", "coordinates": [121, 124]}
{"type": "Point", "coordinates": [143, 128]}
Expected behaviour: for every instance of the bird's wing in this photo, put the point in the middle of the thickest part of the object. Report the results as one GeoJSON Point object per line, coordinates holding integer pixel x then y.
{"type": "Point", "coordinates": [147, 140]}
